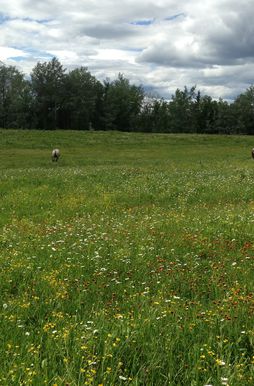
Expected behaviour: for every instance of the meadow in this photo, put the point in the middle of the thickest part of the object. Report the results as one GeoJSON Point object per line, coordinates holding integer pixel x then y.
{"type": "Point", "coordinates": [128, 262]}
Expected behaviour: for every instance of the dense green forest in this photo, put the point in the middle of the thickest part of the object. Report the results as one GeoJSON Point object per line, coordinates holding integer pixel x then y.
{"type": "Point", "coordinates": [52, 98]}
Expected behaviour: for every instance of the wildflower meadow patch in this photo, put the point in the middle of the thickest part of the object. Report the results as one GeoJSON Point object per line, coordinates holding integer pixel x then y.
{"type": "Point", "coordinates": [128, 262]}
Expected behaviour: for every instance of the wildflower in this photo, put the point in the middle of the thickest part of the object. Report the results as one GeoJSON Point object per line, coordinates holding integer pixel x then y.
{"type": "Point", "coordinates": [5, 306]}
{"type": "Point", "coordinates": [91, 363]}
{"type": "Point", "coordinates": [119, 316]}
{"type": "Point", "coordinates": [122, 378]}
{"type": "Point", "coordinates": [220, 362]}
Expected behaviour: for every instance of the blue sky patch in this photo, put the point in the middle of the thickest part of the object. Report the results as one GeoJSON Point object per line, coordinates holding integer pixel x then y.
{"type": "Point", "coordinates": [41, 55]}
{"type": "Point", "coordinates": [17, 58]}
{"type": "Point", "coordinates": [39, 21]}
{"type": "Point", "coordinates": [173, 17]}
{"type": "Point", "coordinates": [143, 22]}
{"type": "Point", "coordinates": [35, 52]}
{"type": "Point", "coordinates": [3, 18]}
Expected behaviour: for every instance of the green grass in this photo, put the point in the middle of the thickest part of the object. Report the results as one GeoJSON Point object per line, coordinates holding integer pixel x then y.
{"type": "Point", "coordinates": [128, 262]}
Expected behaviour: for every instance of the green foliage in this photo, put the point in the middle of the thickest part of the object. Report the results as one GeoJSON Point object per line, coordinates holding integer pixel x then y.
{"type": "Point", "coordinates": [55, 99]}
{"type": "Point", "coordinates": [245, 111]}
{"type": "Point", "coordinates": [82, 100]}
{"type": "Point", "coordinates": [47, 81]}
{"type": "Point", "coordinates": [180, 110]}
{"type": "Point", "coordinates": [122, 104]}
{"type": "Point", "coordinates": [15, 98]}
{"type": "Point", "coordinates": [130, 261]}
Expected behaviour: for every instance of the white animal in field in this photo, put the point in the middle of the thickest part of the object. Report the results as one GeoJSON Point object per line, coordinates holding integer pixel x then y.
{"type": "Point", "coordinates": [55, 155]}
{"type": "Point", "coordinates": [252, 153]}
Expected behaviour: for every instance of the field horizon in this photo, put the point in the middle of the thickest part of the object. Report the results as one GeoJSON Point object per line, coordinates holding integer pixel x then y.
{"type": "Point", "coordinates": [127, 262]}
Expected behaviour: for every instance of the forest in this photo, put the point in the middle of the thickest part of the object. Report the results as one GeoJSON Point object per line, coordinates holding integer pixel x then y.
{"type": "Point", "coordinates": [51, 98]}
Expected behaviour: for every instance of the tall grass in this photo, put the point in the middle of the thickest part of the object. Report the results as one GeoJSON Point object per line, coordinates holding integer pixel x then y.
{"type": "Point", "coordinates": [128, 262]}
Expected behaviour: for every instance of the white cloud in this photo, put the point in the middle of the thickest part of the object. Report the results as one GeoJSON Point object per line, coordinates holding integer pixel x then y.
{"type": "Point", "coordinates": [163, 44]}
{"type": "Point", "coordinates": [112, 55]}
{"type": "Point", "coordinates": [11, 53]}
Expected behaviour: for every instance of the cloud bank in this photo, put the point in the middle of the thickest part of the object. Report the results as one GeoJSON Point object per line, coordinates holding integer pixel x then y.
{"type": "Point", "coordinates": [162, 44]}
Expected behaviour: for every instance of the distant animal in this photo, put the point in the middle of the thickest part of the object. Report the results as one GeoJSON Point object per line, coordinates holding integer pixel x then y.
{"type": "Point", "coordinates": [252, 153]}
{"type": "Point", "coordinates": [55, 155]}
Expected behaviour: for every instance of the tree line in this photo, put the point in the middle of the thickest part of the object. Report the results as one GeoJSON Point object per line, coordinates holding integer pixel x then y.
{"type": "Point", "coordinates": [52, 98]}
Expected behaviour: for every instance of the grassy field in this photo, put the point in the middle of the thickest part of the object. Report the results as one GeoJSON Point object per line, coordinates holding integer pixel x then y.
{"type": "Point", "coordinates": [128, 262]}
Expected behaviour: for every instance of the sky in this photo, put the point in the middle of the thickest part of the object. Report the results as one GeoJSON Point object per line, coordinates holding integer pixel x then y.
{"type": "Point", "coordinates": [161, 44]}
